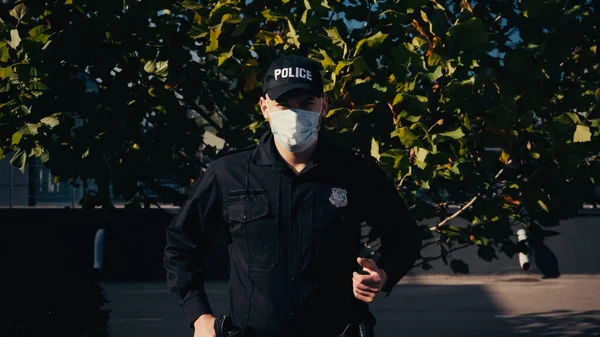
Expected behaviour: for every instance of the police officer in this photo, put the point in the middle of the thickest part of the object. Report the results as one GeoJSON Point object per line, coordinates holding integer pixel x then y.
{"type": "Point", "coordinates": [291, 207]}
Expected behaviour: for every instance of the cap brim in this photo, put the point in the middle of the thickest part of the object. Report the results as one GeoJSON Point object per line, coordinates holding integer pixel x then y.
{"type": "Point", "coordinates": [277, 92]}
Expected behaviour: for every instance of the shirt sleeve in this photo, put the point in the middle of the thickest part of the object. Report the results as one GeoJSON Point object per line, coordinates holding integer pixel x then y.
{"type": "Point", "coordinates": [391, 221]}
{"type": "Point", "coordinates": [187, 241]}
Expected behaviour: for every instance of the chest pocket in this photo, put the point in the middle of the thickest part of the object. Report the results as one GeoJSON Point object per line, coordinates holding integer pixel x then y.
{"type": "Point", "coordinates": [254, 228]}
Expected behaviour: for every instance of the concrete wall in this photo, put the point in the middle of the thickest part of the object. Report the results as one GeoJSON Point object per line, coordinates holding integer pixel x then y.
{"type": "Point", "coordinates": [576, 250]}
{"type": "Point", "coordinates": [54, 240]}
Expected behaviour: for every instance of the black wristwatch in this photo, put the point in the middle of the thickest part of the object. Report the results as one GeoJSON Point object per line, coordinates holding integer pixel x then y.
{"type": "Point", "coordinates": [224, 327]}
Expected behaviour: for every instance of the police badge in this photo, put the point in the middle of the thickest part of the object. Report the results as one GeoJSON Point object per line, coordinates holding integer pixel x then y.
{"type": "Point", "coordinates": [338, 197]}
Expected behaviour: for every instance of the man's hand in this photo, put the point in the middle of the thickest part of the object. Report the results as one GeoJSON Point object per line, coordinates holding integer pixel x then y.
{"type": "Point", "coordinates": [366, 287]}
{"type": "Point", "coordinates": [204, 326]}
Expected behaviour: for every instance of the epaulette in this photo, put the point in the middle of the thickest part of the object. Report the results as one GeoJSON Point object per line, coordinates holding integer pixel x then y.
{"type": "Point", "coordinates": [230, 152]}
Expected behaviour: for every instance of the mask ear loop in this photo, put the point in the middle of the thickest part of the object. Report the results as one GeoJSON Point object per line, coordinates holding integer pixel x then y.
{"type": "Point", "coordinates": [320, 112]}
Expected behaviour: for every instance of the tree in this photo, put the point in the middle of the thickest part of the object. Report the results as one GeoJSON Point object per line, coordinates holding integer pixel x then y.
{"type": "Point", "coordinates": [490, 107]}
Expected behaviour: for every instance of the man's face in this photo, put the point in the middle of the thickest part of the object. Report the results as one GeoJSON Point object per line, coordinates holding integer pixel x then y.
{"type": "Point", "coordinates": [294, 99]}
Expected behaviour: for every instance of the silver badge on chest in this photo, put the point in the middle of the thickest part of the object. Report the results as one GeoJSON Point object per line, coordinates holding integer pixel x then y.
{"type": "Point", "coordinates": [338, 197]}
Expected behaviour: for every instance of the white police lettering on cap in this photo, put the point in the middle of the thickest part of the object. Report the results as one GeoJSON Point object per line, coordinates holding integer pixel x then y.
{"type": "Point", "coordinates": [293, 72]}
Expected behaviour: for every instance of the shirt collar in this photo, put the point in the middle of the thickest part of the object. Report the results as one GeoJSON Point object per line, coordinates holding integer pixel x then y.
{"type": "Point", "coordinates": [266, 153]}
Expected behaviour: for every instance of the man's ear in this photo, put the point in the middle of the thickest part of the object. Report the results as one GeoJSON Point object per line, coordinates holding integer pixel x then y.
{"type": "Point", "coordinates": [263, 107]}
{"type": "Point", "coordinates": [324, 106]}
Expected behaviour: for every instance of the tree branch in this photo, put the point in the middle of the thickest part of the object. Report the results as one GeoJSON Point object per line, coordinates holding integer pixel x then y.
{"type": "Point", "coordinates": [429, 259]}
{"type": "Point", "coordinates": [457, 213]}
{"type": "Point", "coordinates": [430, 243]}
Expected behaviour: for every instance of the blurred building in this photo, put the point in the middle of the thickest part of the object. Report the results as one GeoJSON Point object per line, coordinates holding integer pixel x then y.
{"type": "Point", "coordinates": [34, 187]}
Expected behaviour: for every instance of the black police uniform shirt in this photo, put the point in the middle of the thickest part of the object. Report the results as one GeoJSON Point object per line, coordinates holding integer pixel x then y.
{"type": "Point", "coordinates": [293, 239]}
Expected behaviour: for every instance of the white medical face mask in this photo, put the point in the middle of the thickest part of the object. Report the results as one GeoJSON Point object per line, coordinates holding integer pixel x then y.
{"type": "Point", "coordinates": [295, 129]}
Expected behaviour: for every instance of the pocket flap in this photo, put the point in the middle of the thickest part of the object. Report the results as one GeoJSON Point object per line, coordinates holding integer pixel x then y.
{"type": "Point", "coordinates": [247, 208]}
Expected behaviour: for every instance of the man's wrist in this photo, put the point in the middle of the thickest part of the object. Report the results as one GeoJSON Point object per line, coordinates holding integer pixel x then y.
{"type": "Point", "coordinates": [203, 318]}
{"type": "Point", "coordinates": [383, 276]}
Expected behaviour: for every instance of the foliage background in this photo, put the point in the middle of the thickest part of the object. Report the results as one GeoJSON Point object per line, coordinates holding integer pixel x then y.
{"type": "Point", "coordinates": [485, 110]}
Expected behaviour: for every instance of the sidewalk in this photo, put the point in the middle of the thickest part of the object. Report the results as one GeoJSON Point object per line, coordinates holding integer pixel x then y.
{"type": "Point", "coordinates": [461, 306]}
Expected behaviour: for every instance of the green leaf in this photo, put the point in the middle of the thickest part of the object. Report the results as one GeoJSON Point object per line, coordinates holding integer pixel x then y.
{"type": "Point", "coordinates": [458, 266]}
{"type": "Point", "coordinates": [359, 66]}
{"type": "Point", "coordinates": [401, 97]}
{"type": "Point", "coordinates": [372, 41]}
{"type": "Point", "coordinates": [158, 68]}
{"type": "Point", "coordinates": [5, 72]}
{"type": "Point", "coordinates": [19, 158]}
{"type": "Point", "coordinates": [50, 121]}
{"type": "Point", "coordinates": [504, 157]}
{"type": "Point", "coordinates": [407, 138]}
{"type": "Point", "coordinates": [467, 35]}
{"type": "Point", "coordinates": [15, 39]}
{"type": "Point", "coordinates": [420, 43]}
{"type": "Point", "coordinates": [215, 32]}
{"type": "Point", "coordinates": [564, 119]}
{"type": "Point", "coordinates": [396, 17]}
{"type": "Point", "coordinates": [16, 138]}
{"type": "Point", "coordinates": [307, 4]}
{"type": "Point", "coordinates": [327, 62]}
{"type": "Point", "coordinates": [434, 60]}
{"type": "Point", "coordinates": [455, 134]}
{"type": "Point", "coordinates": [421, 154]}
{"type": "Point", "coordinates": [337, 40]}
{"type": "Point", "coordinates": [37, 86]}
{"type": "Point", "coordinates": [37, 151]}
{"type": "Point", "coordinates": [401, 55]}
{"type": "Point", "coordinates": [197, 32]}
{"type": "Point", "coordinates": [582, 134]}
{"type": "Point", "coordinates": [192, 5]}
{"type": "Point", "coordinates": [452, 231]}
{"type": "Point", "coordinates": [434, 76]}
{"type": "Point", "coordinates": [596, 125]}
{"type": "Point", "coordinates": [272, 15]}
{"type": "Point", "coordinates": [482, 241]}
{"type": "Point", "coordinates": [293, 37]}
{"type": "Point", "coordinates": [33, 128]}
{"type": "Point", "coordinates": [18, 12]}
{"type": "Point", "coordinates": [306, 10]}
{"type": "Point", "coordinates": [426, 19]}
{"type": "Point", "coordinates": [4, 52]}
{"type": "Point", "coordinates": [225, 56]}
{"type": "Point", "coordinates": [336, 111]}
{"type": "Point", "coordinates": [271, 39]}
{"type": "Point", "coordinates": [375, 149]}
{"type": "Point", "coordinates": [39, 34]}
{"type": "Point", "coordinates": [543, 206]}
{"type": "Point", "coordinates": [411, 118]}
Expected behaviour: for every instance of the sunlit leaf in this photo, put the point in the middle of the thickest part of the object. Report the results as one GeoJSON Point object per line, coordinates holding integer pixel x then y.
{"type": "Point", "coordinates": [582, 134]}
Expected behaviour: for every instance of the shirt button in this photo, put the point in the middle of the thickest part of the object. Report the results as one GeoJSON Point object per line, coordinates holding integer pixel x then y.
{"type": "Point", "coordinates": [244, 217]}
